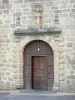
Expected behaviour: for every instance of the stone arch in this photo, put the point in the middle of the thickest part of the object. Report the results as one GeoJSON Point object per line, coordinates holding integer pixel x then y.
{"type": "Point", "coordinates": [28, 42]}
{"type": "Point", "coordinates": [45, 78]}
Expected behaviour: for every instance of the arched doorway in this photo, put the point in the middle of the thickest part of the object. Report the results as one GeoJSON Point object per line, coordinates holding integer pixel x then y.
{"type": "Point", "coordinates": [38, 66]}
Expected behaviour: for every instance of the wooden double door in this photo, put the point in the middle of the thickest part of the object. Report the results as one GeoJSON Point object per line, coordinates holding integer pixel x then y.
{"type": "Point", "coordinates": [38, 66]}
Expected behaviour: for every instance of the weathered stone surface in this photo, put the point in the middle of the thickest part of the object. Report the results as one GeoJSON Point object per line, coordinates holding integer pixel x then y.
{"type": "Point", "coordinates": [68, 81]}
{"type": "Point", "coordinates": [62, 45]}
{"type": "Point", "coordinates": [66, 10]}
{"type": "Point", "coordinates": [72, 1]}
{"type": "Point", "coordinates": [2, 6]}
{"type": "Point", "coordinates": [73, 67]}
{"type": "Point", "coordinates": [6, 11]}
{"type": "Point", "coordinates": [71, 77]}
{"type": "Point", "coordinates": [1, 85]}
{"type": "Point", "coordinates": [1, 73]}
{"type": "Point", "coordinates": [8, 74]}
{"type": "Point", "coordinates": [1, 65]}
{"type": "Point", "coordinates": [1, 22]}
{"type": "Point", "coordinates": [69, 44]}
{"type": "Point", "coordinates": [18, 1]}
{"type": "Point", "coordinates": [10, 78]}
{"type": "Point", "coordinates": [18, 14]}
{"type": "Point", "coordinates": [4, 77]}
{"type": "Point", "coordinates": [5, 1]}
{"type": "Point", "coordinates": [58, 11]}
{"type": "Point", "coordinates": [73, 10]}
{"type": "Point", "coordinates": [8, 6]}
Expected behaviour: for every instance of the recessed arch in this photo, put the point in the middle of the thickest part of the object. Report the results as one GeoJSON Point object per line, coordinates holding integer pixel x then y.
{"type": "Point", "coordinates": [38, 65]}
{"type": "Point", "coordinates": [37, 40]}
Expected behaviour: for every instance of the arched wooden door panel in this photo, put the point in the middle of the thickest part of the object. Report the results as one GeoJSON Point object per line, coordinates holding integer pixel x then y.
{"type": "Point", "coordinates": [38, 66]}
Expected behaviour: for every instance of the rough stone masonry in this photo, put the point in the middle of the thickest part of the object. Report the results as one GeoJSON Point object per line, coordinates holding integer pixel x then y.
{"type": "Point", "coordinates": [17, 14]}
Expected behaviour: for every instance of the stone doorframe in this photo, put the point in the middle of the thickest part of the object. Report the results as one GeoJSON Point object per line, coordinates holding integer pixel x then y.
{"type": "Point", "coordinates": [53, 42]}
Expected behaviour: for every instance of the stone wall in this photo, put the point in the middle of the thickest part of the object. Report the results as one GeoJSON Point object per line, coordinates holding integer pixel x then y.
{"type": "Point", "coordinates": [16, 14]}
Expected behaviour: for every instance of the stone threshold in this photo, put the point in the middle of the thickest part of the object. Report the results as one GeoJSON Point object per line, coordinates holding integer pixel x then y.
{"type": "Point", "coordinates": [31, 94]}
{"type": "Point", "coordinates": [17, 92]}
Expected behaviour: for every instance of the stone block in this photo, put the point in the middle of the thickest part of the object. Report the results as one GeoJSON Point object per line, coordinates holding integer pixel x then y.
{"type": "Point", "coordinates": [6, 26]}
{"type": "Point", "coordinates": [74, 6]}
{"type": "Point", "coordinates": [68, 81]}
{"type": "Point", "coordinates": [69, 44]}
{"type": "Point", "coordinates": [71, 87]}
{"type": "Point", "coordinates": [23, 5]}
{"type": "Point", "coordinates": [4, 78]}
{"type": "Point", "coordinates": [1, 73]}
{"type": "Point", "coordinates": [0, 12]}
{"type": "Point", "coordinates": [8, 6]}
{"type": "Point", "coordinates": [57, 11]}
{"type": "Point", "coordinates": [26, 13]}
{"type": "Point", "coordinates": [8, 66]}
{"type": "Point", "coordinates": [49, 3]}
{"type": "Point", "coordinates": [8, 74]}
{"type": "Point", "coordinates": [8, 40]}
{"type": "Point", "coordinates": [6, 11]}
{"type": "Point", "coordinates": [63, 6]}
{"type": "Point", "coordinates": [61, 78]}
{"type": "Point", "coordinates": [26, 10]}
{"type": "Point", "coordinates": [5, 1]}
{"type": "Point", "coordinates": [73, 10]}
{"type": "Point", "coordinates": [18, 14]}
{"type": "Point", "coordinates": [72, 1]}
{"type": "Point", "coordinates": [71, 77]}
{"type": "Point", "coordinates": [46, 20]}
{"type": "Point", "coordinates": [14, 65]}
{"type": "Point", "coordinates": [54, 7]}
{"type": "Point", "coordinates": [12, 26]}
{"type": "Point", "coordinates": [73, 67]}
{"type": "Point", "coordinates": [4, 61]}
{"type": "Point", "coordinates": [18, 86]}
{"type": "Point", "coordinates": [7, 85]}
{"type": "Point", "coordinates": [2, 56]}
{"type": "Point", "coordinates": [1, 85]}
{"type": "Point", "coordinates": [64, 2]}
{"type": "Point", "coordinates": [66, 10]}
{"type": "Point", "coordinates": [18, 1]}
{"type": "Point", "coordinates": [0, 37]}
{"type": "Point", "coordinates": [1, 65]}
{"type": "Point", "coordinates": [10, 78]}
{"type": "Point", "coordinates": [2, 6]}
{"type": "Point", "coordinates": [61, 72]}
{"type": "Point", "coordinates": [14, 76]}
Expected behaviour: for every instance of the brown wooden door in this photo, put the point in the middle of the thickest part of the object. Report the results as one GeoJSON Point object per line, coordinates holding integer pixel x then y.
{"type": "Point", "coordinates": [39, 72]}
{"type": "Point", "coordinates": [38, 66]}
